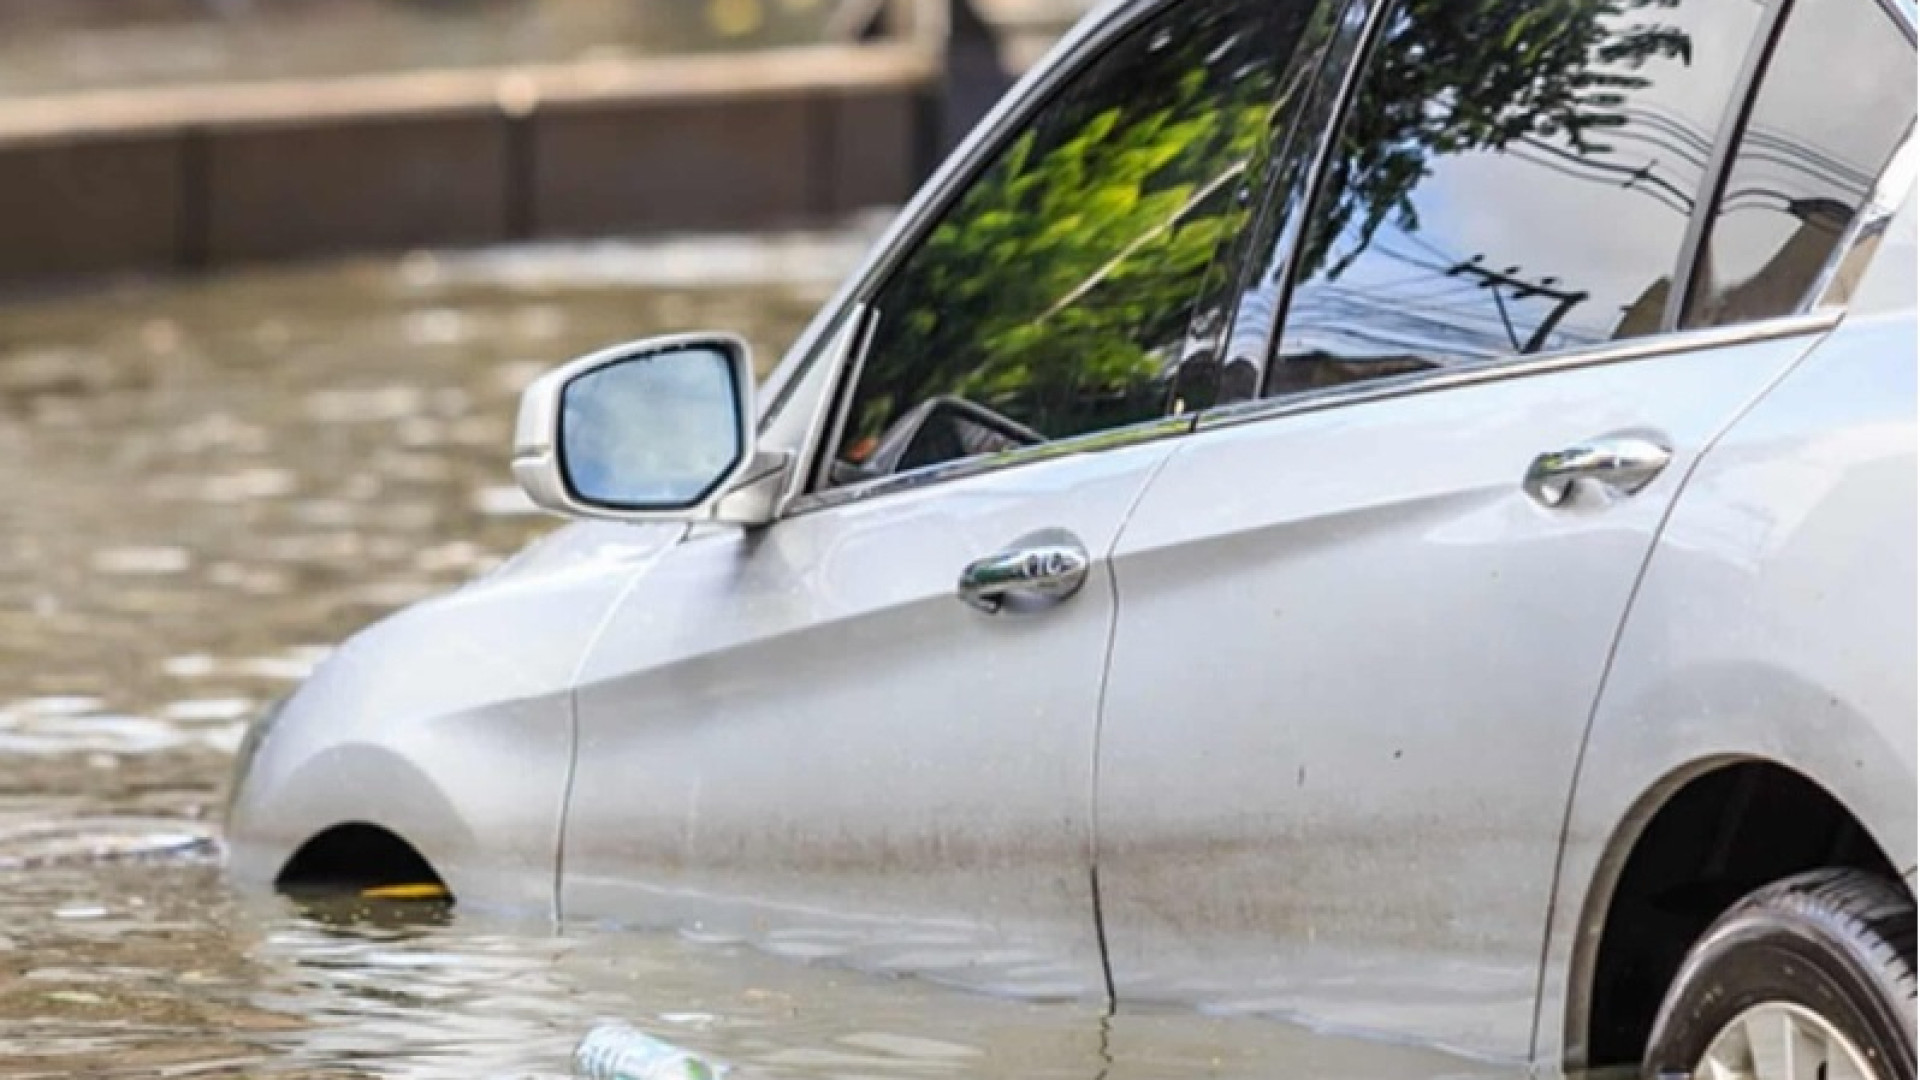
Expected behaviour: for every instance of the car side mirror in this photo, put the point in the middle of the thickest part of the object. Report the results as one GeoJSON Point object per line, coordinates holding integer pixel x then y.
{"type": "Point", "coordinates": [656, 430]}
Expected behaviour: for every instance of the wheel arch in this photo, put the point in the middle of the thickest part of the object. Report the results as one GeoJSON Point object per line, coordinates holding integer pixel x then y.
{"type": "Point", "coordinates": [354, 857]}
{"type": "Point", "coordinates": [1689, 848]}
{"type": "Point", "coordinates": [355, 815]}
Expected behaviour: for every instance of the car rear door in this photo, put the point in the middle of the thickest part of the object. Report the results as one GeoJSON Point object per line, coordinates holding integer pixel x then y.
{"type": "Point", "coordinates": [865, 732]}
{"type": "Point", "coordinates": [1363, 619]}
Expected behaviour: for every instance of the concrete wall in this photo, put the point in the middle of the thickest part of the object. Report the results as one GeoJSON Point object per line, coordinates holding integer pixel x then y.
{"type": "Point", "coordinates": [189, 177]}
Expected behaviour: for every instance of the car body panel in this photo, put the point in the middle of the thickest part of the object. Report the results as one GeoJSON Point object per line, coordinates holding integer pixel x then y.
{"type": "Point", "coordinates": [1775, 623]}
{"type": "Point", "coordinates": [448, 724]}
{"type": "Point", "coordinates": [1352, 670]}
{"type": "Point", "coordinates": [801, 737]}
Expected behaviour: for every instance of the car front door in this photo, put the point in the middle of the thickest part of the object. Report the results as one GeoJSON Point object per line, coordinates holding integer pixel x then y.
{"type": "Point", "coordinates": [1364, 618]}
{"type": "Point", "coordinates": [866, 732]}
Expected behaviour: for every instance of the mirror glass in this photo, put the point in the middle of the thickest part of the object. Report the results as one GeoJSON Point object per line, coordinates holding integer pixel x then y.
{"type": "Point", "coordinates": [656, 432]}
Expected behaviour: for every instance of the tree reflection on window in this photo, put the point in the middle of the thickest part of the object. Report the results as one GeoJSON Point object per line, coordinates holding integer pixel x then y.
{"type": "Point", "coordinates": [1513, 176]}
{"type": "Point", "coordinates": [1057, 291]}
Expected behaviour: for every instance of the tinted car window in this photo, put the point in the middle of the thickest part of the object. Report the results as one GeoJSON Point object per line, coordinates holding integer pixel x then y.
{"type": "Point", "coordinates": [1835, 100]}
{"type": "Point", "coordinates": [1513, 176]}
{"type": "Point", "coordinates": [1053, 298]}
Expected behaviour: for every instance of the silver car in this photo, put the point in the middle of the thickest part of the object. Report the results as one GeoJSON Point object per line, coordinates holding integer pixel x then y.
{"type": "Point", "coordinates": [1396, 514]}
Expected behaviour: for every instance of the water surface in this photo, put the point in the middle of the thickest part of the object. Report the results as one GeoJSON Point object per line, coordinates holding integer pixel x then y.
{"type": "Point", "coordinates": [208, 485]}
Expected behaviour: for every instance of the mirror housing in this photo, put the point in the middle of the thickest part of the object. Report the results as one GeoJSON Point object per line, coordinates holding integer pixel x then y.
{"type": "Point", "coordinates": [654, 430]}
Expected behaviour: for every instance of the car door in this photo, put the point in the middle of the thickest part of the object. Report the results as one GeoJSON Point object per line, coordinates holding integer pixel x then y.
{"type": "Point", "coordinates": [1363, 619]}
{"type": "Point", "coordinates": [865, 732]}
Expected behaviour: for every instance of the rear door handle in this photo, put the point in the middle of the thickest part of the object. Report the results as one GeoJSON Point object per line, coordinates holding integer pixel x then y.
{"type": "Point", "coordinates": [1036, 571]}
{"type": "Point", "coordinates": [1625, 463]}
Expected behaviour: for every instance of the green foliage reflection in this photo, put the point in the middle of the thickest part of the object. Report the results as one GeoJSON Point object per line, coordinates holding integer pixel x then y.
{"type": "Point", "coordinates": [1057, 290]}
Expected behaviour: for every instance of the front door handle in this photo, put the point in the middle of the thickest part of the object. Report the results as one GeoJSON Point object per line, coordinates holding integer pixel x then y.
{"type": "Point", "coordinates": [1624, 463]}
{"type": "Point", "coordinates": [1036, 571]}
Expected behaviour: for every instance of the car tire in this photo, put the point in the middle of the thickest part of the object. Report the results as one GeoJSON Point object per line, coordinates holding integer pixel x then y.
{"type": "Point", "coordinates": [1830, 953]}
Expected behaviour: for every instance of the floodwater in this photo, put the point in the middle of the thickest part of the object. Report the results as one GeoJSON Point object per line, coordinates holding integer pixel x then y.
{"type": "Point", "coordinates": [210, 483]}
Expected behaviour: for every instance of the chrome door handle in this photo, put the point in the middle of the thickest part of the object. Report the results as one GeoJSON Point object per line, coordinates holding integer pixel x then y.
{"type": "Point", "coordinates": [1035, 571]}
{"type": "Point", "coordinates": [1625, 463]}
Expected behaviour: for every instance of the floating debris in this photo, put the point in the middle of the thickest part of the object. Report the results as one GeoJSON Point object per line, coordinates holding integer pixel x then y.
{"type": "Point", "coordinates": [620, 1052]}
{"type": "Point", "coordinates": [421, 890]}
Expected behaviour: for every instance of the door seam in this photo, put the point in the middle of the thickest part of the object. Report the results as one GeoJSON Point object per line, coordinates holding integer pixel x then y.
{"type": "Point", "coordinates": [1100, 719]}
{"type": "Point", "coordinates": [555, 910]}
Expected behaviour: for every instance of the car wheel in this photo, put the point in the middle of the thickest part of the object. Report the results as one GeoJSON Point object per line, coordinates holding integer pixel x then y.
{"type": "Point", "coordinates": [1810, 977]}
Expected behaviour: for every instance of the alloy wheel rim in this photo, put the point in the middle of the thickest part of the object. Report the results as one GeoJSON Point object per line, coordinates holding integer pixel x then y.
{"type": "Point", "coordinates": [1781, 1041]}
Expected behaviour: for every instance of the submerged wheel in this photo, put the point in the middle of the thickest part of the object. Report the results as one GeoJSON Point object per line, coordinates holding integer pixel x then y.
{"type": "Point", "coordinates": [1810, 978]}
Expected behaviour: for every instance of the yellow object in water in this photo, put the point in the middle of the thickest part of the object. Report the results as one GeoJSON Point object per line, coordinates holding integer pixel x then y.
{"type": "Point", "coordinates": [425, 890]}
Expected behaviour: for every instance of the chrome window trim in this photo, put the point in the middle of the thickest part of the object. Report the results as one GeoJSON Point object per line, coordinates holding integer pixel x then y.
{"type": "Point", "coordinates": [1500, 370]}
{"type": "Point", "coordinates": [1112, 439]}
{"type": "Point", "coordinates": [1806, 324]}
{"type": "Point", "coordinates": [1830, 290]}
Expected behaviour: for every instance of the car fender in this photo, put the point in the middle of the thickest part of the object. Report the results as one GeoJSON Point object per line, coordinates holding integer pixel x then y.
{"type": "Point", "coordinates": [349, 784]}
{"type": "Point", "coordinates": [449, 724]}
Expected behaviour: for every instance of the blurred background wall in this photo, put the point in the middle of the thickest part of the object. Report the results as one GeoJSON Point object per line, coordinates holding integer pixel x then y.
{"type": "Point", "coordinates": [141, 136]}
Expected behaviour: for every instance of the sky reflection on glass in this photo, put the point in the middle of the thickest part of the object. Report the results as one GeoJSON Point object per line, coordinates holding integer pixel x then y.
{"type": "Point", "coordinates": [652, 432]}
{"type": "Point", "coordinates": [1506, 203]}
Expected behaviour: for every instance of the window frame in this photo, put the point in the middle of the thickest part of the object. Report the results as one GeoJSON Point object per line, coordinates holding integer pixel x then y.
{"type": "Point", "coordinates": [1299, 161]}
{"type": "Point", "coordinates": [1896, 169]}
{"type": "Point", "coordinates": [1036, 91]}
{"type": "Point", "coordinates": [1726, 147]}
{"type": "Point", "coordinates": [1817, 313]}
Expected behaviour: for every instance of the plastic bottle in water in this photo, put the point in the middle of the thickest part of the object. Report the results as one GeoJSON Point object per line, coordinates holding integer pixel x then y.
{"type": "Point", "coordinates": [619, 1052]}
